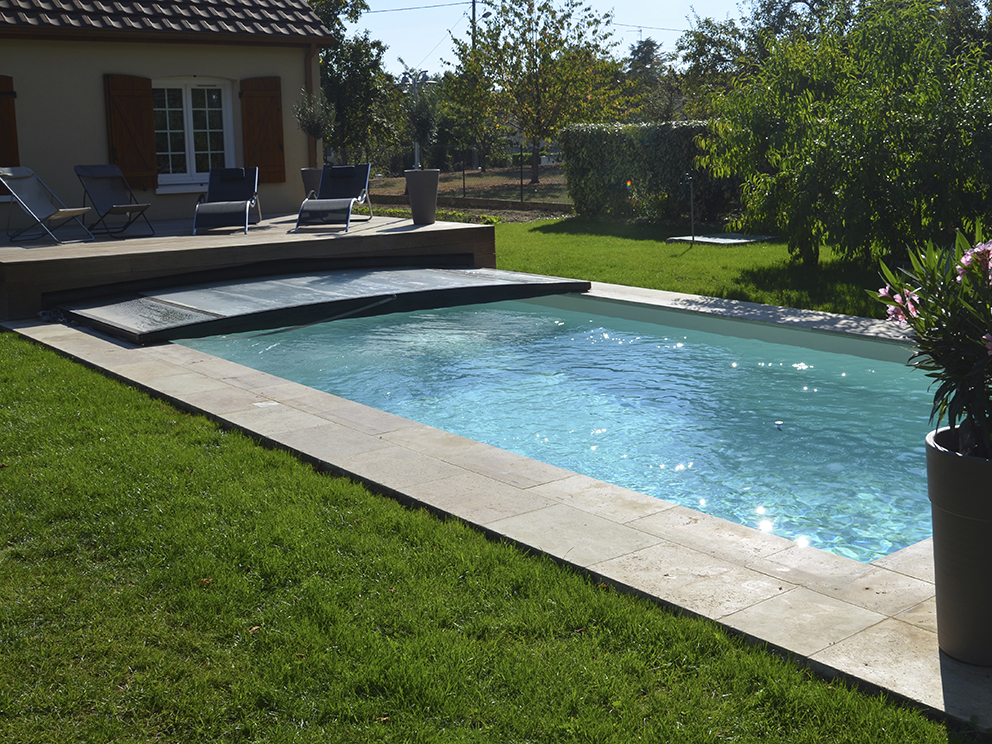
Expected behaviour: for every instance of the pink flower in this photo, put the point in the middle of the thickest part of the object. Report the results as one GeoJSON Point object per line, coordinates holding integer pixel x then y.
{"type": "Point", "coordinates": [981, 256]}
{"type": "Point", "coordinates": [987, 338]}
{"type": "Point", "coordinates": [904, 307]}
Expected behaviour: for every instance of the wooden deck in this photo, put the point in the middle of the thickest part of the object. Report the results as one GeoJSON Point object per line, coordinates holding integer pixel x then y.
{"type": "Point", "coordinates": [38, 275]}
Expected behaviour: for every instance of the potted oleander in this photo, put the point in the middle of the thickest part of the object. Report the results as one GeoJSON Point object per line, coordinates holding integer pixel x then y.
{"type": "Point", "coordinates": [945, 297]}
{"type": "Point", "coordinates": [315, 117]}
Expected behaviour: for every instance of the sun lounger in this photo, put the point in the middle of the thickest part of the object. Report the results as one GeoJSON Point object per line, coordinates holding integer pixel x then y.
{"type": "Point", "coordinates": [341, 188]}
{"type": "Point", "coordinates": [231, 195]}
{"type": "Point", "coordinates": [41, 205]}
{"type": "Point", "coordinates": [111, 196]}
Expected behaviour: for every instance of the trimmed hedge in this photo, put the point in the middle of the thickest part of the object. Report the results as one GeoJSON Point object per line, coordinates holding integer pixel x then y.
{"type": "Point", "coordinates": [640, 170]}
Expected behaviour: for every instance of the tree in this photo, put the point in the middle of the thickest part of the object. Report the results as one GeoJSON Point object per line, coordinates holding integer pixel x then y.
{"type": "Point", "coordinates": [364, 96]}
{"type": "Point", "coordinates": [548, 64]}
{"type": "Point", "coordinates": [331, 11]}
{"type": "Point", "coordinates": [314, 116]}
{"type": "Point", "coordinates": [873, 134]}
{"type": "Point", "coordinates": [654, 83]}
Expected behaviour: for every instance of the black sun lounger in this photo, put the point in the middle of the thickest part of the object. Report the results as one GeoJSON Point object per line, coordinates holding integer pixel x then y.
{"type": "Point", "coordinates": [41, 205]}
{"type": "Point", "coordinates": [341, 188]}
{"type": "Point", "coordinates": [111, 196]}
{"type": "Point", "coordinates": [231, 194]}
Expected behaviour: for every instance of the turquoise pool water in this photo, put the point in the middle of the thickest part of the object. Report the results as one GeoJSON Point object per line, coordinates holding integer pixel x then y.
{"type": "Point", "coordinates": [822, 448]}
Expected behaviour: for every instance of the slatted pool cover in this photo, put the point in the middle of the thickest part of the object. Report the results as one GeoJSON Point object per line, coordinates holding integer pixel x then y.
{"type": "Point", "coordinates": [294, 299]}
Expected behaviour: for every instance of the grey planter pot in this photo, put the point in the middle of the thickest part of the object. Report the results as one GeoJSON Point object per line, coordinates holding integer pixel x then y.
{"type": "Point", "coordinates": [421, 186]}
{"type": "Point", "coordinates": [960, 489]}
{"type": "Point", "coordinates": [311, 179]}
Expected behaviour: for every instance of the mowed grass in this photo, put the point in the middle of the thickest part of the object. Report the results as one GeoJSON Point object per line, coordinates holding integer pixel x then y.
{"type": "Point", "coordinates": [164, 580]}
{"type": "Point", "coordinates": [638, 255]}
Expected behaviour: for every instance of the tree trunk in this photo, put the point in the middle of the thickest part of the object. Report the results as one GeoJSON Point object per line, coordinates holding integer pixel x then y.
{"type": "Point", "coordinates": [535, 163]}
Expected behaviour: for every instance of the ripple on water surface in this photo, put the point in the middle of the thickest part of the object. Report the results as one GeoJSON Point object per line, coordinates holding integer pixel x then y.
{"type": "Point", "coordinates": [825, 449]}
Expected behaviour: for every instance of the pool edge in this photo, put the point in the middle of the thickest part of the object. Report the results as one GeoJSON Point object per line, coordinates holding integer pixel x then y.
{"type": "Point", "coordinates": [869, 622]}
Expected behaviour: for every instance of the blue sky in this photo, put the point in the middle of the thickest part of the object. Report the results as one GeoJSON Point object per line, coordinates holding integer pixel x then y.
{"type": "Point", "coordinates": [421, 35]}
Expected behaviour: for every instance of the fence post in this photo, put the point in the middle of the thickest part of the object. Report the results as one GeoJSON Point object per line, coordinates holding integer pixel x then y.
{"type": "Point", "coordinates": [464, 192]}
{"type": "Point", "coordinates": [521, 171]}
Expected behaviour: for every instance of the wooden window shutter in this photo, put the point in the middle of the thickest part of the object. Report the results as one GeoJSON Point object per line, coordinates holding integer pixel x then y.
{"type": "Point", "coordinates": [8, 123]}
{"type": "Point", "coordinates": [131, 128]}
{"type": "Point", "coordinates": [261, 122]}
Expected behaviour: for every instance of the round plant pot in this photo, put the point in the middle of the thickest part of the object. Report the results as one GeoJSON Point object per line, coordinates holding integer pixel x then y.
{"type": "Point", "coordinates": [960, 489]}
{"type": "Point", "coordinates": [421, 185]}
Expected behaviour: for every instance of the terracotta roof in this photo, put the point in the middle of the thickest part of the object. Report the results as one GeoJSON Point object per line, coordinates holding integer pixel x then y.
{"type": "Point", "coordinates": [278, 21]}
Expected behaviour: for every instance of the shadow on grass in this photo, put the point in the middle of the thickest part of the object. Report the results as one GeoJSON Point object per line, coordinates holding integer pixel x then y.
{"type": "Point", "coordinates": [835, 286]}
{"type": "Point", "coordinates": [628, 230]}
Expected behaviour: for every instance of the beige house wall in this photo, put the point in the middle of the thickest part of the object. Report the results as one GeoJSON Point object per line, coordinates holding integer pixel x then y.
{"type": "Point", "coordinates": [61, 115]}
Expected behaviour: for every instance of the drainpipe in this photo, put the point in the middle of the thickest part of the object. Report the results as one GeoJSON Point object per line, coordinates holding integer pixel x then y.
{"type": "Point", "coordinates": [308, 85]}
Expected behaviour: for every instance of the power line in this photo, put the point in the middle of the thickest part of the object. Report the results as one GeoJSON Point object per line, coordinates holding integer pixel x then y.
{"type": "Point", "coordinates": [419, 7]}
{"type": "Point", "coordinates": [650, 28]}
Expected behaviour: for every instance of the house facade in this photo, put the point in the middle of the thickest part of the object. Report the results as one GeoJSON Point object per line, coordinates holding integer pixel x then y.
{"type": "Point", "coordinates": [164, 90]}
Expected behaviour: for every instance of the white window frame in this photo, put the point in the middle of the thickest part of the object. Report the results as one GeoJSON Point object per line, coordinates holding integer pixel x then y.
{"type": "Point", "coordinates": [191, 181]}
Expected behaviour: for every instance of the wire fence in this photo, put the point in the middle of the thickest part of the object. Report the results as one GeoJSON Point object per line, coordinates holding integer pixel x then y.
{"type": "Point", "coordinates": [510, 184]}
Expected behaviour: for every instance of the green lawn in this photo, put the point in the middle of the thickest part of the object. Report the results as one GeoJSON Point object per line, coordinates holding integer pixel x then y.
{"type": "Point", "coordinates": [637, 255]}
{"type": "Point", "coordinates": [164, 580]}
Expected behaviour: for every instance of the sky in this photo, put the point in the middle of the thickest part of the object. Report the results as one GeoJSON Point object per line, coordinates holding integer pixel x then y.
{"type": "Point", "coordinates": [420, 31]}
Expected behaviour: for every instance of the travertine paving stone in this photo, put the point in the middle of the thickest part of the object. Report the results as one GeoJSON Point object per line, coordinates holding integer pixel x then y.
{"type": "Point", "coordinates": [269, 419]}
{"type": "Point", "coordinates": [915, 561]}
{"type": "Point", "coordinates": [330, 441]}
{"type": "Point", "coordinates": [578, 537]}
{"type": "Point", "coordinates": [476, 498]}
{"type": "Point", "coordinates": [892, 654]}
{"type": "Point", "coordinates": [603, 499]}
{"type": "Point", "coordinates": [690, 579]}
{"type": "Point", "coordinates": [396, 468]}
{"type": "Point", "coordinates": [717, 537]}
{"type": "Point", "coordinates": [923, 615]}
{"type": "Point", "coordinates": [353, 415]}
{"type": "Point", "coordinates": [802, 621]}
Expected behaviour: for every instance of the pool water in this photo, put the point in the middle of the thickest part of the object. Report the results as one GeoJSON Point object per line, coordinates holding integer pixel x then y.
{"type": "Point", "coordinates": [823, 448]}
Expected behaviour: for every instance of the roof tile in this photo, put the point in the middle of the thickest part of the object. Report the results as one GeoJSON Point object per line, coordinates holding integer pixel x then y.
{"type": "Point", "coordinates": [278, 19]}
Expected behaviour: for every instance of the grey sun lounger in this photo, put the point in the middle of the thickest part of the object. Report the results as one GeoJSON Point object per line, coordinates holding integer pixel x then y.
{"type": "Point", "coordinates": [231, 195]}
{"type": "Point", "coordinates": [40, 204]}
{"type": "Point", "coordinates": [111, 196]}
{"type": "Point", "coordinates": [341, 188]}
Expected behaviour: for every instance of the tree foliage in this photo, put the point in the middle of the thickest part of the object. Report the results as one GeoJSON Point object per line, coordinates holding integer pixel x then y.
{"type": "Point", "coordinates": [330, 13]}
{"type": "Point", "coordinates": [653, 82]}
{"type": "Point", "coordinates": [871, 130]}
{"type": "Point", "coordinates": [364, 96]}
{"type": "Point", "coordinates": [314, 116]}
{"type": "Point", "coordinates": [543, 64]}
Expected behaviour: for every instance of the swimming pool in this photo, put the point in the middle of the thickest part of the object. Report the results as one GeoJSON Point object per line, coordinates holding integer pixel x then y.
{"type": "Point", "coordinates": [823, 448]}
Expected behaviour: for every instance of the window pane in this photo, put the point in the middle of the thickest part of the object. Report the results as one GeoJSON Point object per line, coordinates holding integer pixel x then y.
{"type": "Point", "coordinates": [168, 117]}
{"type": "Point", "coordinates": [189, 129]}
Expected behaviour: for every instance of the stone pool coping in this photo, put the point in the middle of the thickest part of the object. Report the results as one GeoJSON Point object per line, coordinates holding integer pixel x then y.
{"type": "Point", "coordinates": [872, 623]}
